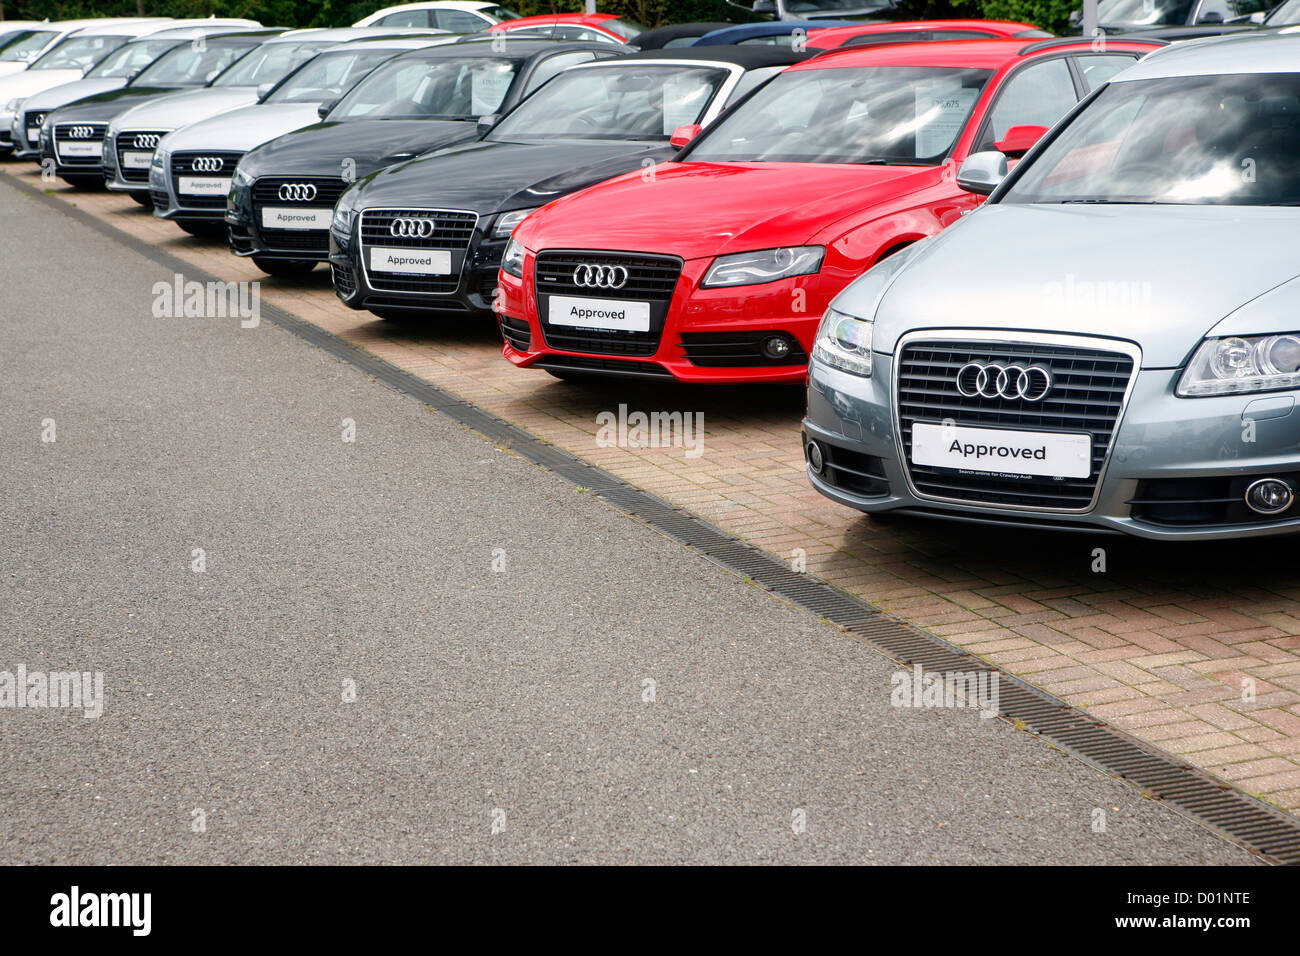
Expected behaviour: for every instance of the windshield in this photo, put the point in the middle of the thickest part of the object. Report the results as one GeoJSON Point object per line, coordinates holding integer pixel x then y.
{"type": "Point", "coordinates": [627, 29]}
{"type": "Point", "coordinates": [190, 64]}
{"type": "Point", "coordinates": [1285, 14]}
{"type": "Point", "coordinates": [25, 45]}
{"type": "Point", "coordinates": [325, 77]}
{"type": "Point", "coordinates": [500, 13]}
{"type": "Point", "coordinates": [269, 63]}
{"type": "Point", "coordinates": [77, 52]}
{"type": "Point", "coordinates": [1193, 140]}
{"type": "Point", "coordinates": [905, 115]}
{"type": "Point", "coordinates": [126, 59]}
{"type": "Point", "coordinates": [447, 88]}
{"type": "Point", "coordinates": [619, 102]}
{"type": "Point", "coordinates": [1150, 13]}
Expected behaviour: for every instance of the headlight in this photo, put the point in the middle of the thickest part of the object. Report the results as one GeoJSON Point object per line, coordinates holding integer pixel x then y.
{"type": "Point", "coordinates": [512, 261]}
{"type": "Point", "coordinates": [766, 265]}
{"type": "Point", "coordinates": [844, 341]}
{"type": "Point", "coordinates": [507, 221]}
{"type": "Point", "coordinates": [1258, 363]}
{"type": "Point", "coordinates": [345, 210]}
{"type": "Point", "coordinates": [160, 157]}
{"type": "Point", "coordinates": [13, 105]}
{"type": "Point", "coordinates": [241, 178]}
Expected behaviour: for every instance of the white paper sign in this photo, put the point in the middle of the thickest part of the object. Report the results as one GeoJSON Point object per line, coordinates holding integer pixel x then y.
{"type": "Point", "coordinates": [137, 160]}
{"type": "Point", "coordinates": [941, 111]}
{"type": "Point", "coordinates": [203, 186]}
{"type": "Point", "coordinates": [290, 217]}
{"type": "Point", "coordinates": [81, 150]}
{"type": "Point", "coordinates": [428, 262]}
{"type": "Point", "coordinates": [614, 315]}
{"type": "Point", "coordinates": [1002, 451]}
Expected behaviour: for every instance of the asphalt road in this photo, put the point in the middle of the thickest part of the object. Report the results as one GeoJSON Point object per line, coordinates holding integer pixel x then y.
{"type": "Point", "coordinates": [499, 716]}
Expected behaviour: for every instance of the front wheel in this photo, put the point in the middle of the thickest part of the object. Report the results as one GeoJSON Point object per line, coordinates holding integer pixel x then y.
{"type": "Point", "coordinates": [284, 268]}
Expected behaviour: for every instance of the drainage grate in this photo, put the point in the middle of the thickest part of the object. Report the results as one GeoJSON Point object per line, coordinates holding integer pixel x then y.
{"type": "Point", "coordinates": [1231, 813]}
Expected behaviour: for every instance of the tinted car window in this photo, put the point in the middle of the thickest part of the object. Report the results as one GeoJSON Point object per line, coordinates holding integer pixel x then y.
{"type": "Point", "coordinates": [895, 114]}
{"type": "Point", "coordinates": [25, 45]}
{"type": "Point", "coordinates": [77, 53]}
{"type": "Point", "coordinates": [453, 88]}
{"type": "Point", "coordinates": [460, 21]}
{"type": "Point", "coordinates": [406, 18]}
{"type": "Point", "coordinates": [134, 56]}
{"type": "Point", "coordinates": [1192, 140]}
{"type": "Point", "coordinates": [269, 63]}
{"type": "Point", "coordinates": [1037, 95]}
{"type": "Point", "coordinates": [630, 102]}
{"type": "Point", "coordinates": [554, 64]}
{"type": "Point", "coordinates": [1101, 67]}
{"type": "Point", "coordinates": [1149, 13]}
{"type": "Point", "coordinates": [190, 64]}
{"type": "Point", "coordinates": [325, 77]}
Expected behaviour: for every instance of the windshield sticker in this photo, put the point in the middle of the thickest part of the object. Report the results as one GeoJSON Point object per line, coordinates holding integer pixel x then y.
{"type": "Point", "coordinates": [941, 110]}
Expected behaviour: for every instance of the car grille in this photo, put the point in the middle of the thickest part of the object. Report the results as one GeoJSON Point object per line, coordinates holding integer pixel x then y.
{"type": "Point", "coordinates": [650, 279]}
{"type": "Point", "coordinates": [32, 119]}
{"type": "Point", "coordinates": [344, 284]}
{"type": "Point", "coordinates": [516, 332]}
{"type": "Point", "coordinates": [1087, 395]}
{"type": "Point", "coordinates": [183, 165]}
{"type": "Point", "coordinates": [63, 134]}
{"type": "Point", "coordinates": [266, 192]}
{"type": "Point", "coordinates": [126, 143]}
{"type": "Point", "coordinates": [452, 230]}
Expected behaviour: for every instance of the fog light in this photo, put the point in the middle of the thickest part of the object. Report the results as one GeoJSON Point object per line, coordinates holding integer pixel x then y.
{"type": "Point", "coordinates": [776, 347]}
{"type": "Point", "coordinates": [1269, 496]}
{"type": "Point", "coordinates": [815, 460]}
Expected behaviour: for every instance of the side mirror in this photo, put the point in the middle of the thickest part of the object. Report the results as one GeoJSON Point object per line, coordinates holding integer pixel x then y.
{"type": "Point", "coordinates": [684, 134]}
{"type": "Point", "coordinates": [323, 110]}
{"type": "Point", "coordinates": [485, 123]}
{"type": "Point", "coordinates": [981, 172]}
{"type": "Point", "coordinates": [130, 77]}
{"type": "Point", "coordinates": [1076, 17]}
{"type": "Point", "coordinates": [1019, 140]}
{"type": "Point", "coordinates": [1258, 17]}
{"type": "Point", "coordinates": [264, 91]}
{"type": "Point", "coordinates": [1211, 16]}
{"type": "Point", "coordinates": [765, 6]}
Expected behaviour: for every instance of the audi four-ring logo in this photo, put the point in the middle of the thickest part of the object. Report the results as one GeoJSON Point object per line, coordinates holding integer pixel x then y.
{"type": "Point", "coordinates": [411, 228]}
{"type": "Point", "coordinates": [146, 140]}
{"type": "Point", "coordinates": [81, 132]}
{"type": "Point", "coordinates": [208, 164]}
{"type": "Point", "coordinates": [298, 192]}
{"type": "Point", "coordinates": [600, 277]}
{"type": "Point", "coordinates": [1004, 381]}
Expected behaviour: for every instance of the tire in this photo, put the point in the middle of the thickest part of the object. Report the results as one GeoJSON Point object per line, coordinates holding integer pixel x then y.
{"type": "Point", "coordinates": [284, 268]}
{"type": "Point", "coordinates": [202, 229]}
{"type": "Point", "coordinates": [88, 183]}
{"type": "Point", "coordinates": [142, 199]}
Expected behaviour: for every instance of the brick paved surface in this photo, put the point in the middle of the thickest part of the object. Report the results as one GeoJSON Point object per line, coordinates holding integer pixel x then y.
{"type": "Point", "coordinates": [1194, 648]}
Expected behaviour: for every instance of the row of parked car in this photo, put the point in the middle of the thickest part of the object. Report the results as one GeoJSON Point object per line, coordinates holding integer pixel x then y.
{"type": "Point", "coordinates": [1067, 358]}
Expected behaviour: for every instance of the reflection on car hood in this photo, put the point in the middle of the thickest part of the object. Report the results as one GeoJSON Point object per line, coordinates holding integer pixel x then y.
{"type": "Point", "coordinates": [322, 148]}
{"type": "Point", "coordinates": [103, 107]}
{"type": "Point", "coordinates": [66, 93]}
{"type": "Point", "coordinates": [189, 106]}
{"type": "Point", "coordinates": [33, 81]}
{"type": "Point", "coordinates": [725, 207]}
{"type": "Point", "coordinates": [490, 176]}
{"type": "Point", "coordinates": [1160, 276]}
{"type": "Point", "coordinates": [242, 128]}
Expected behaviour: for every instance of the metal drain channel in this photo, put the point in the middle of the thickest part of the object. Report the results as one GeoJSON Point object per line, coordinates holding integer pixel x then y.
{"type": "Point", "coordinates": [1238, 816]}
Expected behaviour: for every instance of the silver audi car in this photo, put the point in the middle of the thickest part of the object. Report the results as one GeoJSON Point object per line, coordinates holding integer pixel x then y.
{"type": "Point", "coordinates": [1112, 342]}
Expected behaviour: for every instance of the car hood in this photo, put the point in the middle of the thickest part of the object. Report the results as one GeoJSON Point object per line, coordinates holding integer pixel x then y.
{"type": "Point", "coordinates": [189, 106]}
{"type": "Point", "coordinates": [1160, 276]}
{"type": "Point", "coordinates": [9, 68]}
{"type": "Point", "coordinates": [730, 207]}
{"type": "Point", "coordinates": [27, 82]}
{"type": "Point", "coordinates": [492, 176]}
{"type": "Point", "coordinates": [103, 107]}
{"type": "Point", "coordinates": [322, 148]}
{"type": "Point", "coordinates": [242, 128]}
{"type": "Point", "coordinates": [65, 93]}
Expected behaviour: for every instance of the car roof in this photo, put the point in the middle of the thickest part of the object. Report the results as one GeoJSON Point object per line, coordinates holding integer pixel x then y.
{"type": "Point", "coordinates": [527, 45]}
{"type": "Point", "coordinates": [392, 43]}
{"type": "Point", "coordinates": [432, 5]}
{"type": "Point", "coordinates": [990, 53]}
{"type": "Point", "coordinates": [995, 27]}
{"type": "Point", "coordinates": [1237, 53]}
{"type": "Point", "coordinates": [128, 29]}
{"type": "Point", "coordinates": [654, 39]}
{"type": "Point", "coordinates": [775, 28]}
{"type": "Point", "coordinates": [747, 57]}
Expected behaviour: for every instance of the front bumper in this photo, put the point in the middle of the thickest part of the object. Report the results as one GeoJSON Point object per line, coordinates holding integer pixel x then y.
{"type": "Point", "coordinates": [19, 127]}
{"type": "Point", "coordinates": [707, 336]}
{"type": "Point", "coordinates": [1189, 453]}
{"type": "Point", "coordinates": [69, 153]}
{"type": "Point", "coordinates": [283, 217]}
{"type": "Point", "coordinates": [181, 191]}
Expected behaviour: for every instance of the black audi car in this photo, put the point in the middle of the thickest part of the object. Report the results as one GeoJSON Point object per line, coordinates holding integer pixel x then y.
{"type": "Point", "coordinates": [426, 235]}
{"type": "Point", "coordinates": [189, 66]}
{"type": "Point", "coordinates": [416, 102]}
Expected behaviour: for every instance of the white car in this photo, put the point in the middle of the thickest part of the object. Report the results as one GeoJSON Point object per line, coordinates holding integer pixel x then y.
{"type": "Point", "coordinates": [66, 59]}
{"type": "Point", "coordinates": [453, 15]}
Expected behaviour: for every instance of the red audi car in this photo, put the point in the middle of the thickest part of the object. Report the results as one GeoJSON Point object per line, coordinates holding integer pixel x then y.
{"type": "Point", "coordinates": [718, 265]}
